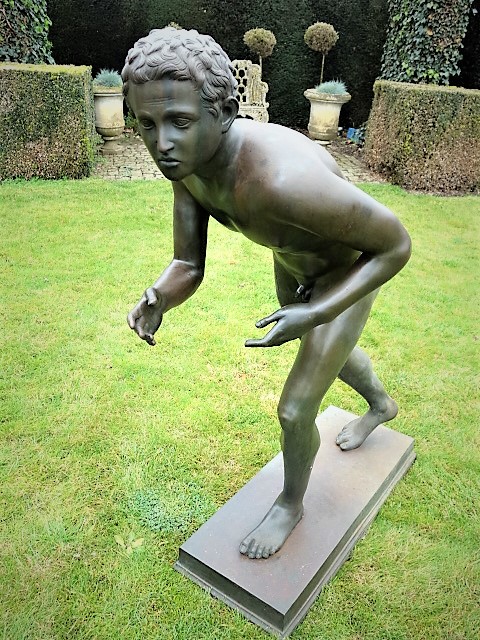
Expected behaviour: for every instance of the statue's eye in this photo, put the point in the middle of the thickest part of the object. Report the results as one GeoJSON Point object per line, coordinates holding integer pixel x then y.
{"type": "Point", "coordinates": [146, 124]}
{"type": "Point", "coordinates": [181, 123]}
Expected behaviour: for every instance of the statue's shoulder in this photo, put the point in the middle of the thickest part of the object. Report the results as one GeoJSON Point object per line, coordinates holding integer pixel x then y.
{"type": "Point", "coordinates": [280, 154]}
{"type": "Point", "coordinates": [280, 143]}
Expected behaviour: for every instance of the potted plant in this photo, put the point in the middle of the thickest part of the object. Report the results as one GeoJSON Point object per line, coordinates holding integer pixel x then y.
{"type": "Point", "coordinates": [108, 99]}
{"type": "Point", "coordinates": [327, 98]}
{"type": "Point", "coordinates": [326, 101]}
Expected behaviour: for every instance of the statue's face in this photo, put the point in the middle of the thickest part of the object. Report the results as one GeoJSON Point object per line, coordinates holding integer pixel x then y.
{"type": "Point", "coordinates": [177, 129]}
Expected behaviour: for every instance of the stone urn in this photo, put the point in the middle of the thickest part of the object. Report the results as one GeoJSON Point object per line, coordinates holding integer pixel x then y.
{"type": "Point", "coordinates": [324, 114]}
{"type": "Point", "coordinates": [109, 121]}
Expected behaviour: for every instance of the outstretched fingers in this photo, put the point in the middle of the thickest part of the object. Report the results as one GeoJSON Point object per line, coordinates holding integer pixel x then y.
{"type": "Point", "coordinates": [269, 339]}
{"type": "Point", "coordinates": [260, 342]}
{"type": "Point", "coordinates": [273, 317]}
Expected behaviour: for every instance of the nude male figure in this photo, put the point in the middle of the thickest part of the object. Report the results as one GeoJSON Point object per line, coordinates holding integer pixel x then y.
{"type": "Point", "coordinates": [333, 246]}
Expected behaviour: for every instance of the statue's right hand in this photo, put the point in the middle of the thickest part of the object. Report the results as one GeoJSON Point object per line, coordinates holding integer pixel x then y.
{"type": "Point", "coordinates": [146, 317]}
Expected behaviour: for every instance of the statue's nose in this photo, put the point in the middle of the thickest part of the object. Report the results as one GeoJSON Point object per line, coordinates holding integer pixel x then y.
{"type": "Point", "coordinates": [164, 143]}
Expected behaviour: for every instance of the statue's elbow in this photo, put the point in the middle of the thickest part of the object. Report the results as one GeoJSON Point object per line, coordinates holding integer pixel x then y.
{"type": "Point", "coordinates": [399, 254]}
{"type": "Point", "coordinates": [405, 249]}
{"type": "Point", "coordinates": [196, 276]}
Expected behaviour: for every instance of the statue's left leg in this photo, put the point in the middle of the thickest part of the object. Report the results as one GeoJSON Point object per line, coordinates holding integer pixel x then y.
{"type": "Point", "coordinates": [358, 373]}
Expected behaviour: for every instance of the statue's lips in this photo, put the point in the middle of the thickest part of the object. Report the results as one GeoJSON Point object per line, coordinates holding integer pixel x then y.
{"type": "Point", "coordinates": [168, 162]}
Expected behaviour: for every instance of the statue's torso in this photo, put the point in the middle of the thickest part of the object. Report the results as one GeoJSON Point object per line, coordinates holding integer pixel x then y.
{"type": "Point", "coordinates": [236, 202]}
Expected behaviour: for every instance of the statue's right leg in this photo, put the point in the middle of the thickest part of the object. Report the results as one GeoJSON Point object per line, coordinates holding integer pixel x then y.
{"type": "Point", "coordinates": [322, 354]}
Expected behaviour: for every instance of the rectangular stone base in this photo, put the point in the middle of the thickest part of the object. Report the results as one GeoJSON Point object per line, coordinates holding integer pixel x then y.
{"type": "Point", "coordinates": [346, 490]}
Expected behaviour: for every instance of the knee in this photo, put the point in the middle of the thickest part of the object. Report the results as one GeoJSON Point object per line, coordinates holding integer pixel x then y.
{"type": "Point", "coordinates": [292, 416]}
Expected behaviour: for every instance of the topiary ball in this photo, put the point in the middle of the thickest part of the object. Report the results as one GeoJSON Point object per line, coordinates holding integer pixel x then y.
{"type": "Point", "coordinates": [321, 36]}
{"type": "Point", "coordinates": [260, 41]}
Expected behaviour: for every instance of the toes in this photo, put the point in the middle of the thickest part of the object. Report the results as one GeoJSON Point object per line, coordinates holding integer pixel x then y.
{"type": "Point", "coordinates": [244, 547]}
{"type": "Point", "coordinates": [348, 446]}
{"type": "Point", "coordinates": [251, 548]}
{"type": "Point", "coordinates": [256, 551]}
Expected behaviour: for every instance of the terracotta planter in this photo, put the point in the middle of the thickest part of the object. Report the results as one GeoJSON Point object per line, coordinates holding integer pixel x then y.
{"type": "Point", "coordinates": [324, 114]}
{"type": "Point", "coordinates": [109, 121]}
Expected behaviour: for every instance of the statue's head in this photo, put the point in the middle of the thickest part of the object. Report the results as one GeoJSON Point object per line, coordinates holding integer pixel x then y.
{"type": "Point", "coordinates": [182, 55]}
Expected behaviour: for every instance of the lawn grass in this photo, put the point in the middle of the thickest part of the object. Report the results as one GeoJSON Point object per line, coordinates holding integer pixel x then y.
{"type": "Point", "coordinates": [113, 452]}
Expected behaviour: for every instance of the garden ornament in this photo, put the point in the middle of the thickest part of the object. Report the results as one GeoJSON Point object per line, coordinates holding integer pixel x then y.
{"type": "Point", "coordinates": [333, 245]}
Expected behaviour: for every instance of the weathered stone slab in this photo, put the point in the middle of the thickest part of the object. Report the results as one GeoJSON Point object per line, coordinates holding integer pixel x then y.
{"type": "Point", "coordinates": [346, 491]}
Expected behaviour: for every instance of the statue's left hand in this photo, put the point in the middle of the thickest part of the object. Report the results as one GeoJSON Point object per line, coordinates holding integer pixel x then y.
{"type": "Point", "coordinates": [292, 321]}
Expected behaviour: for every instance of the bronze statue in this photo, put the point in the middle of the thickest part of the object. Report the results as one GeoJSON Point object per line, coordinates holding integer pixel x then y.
{"type": "Point", "coordinates": [333, 245]}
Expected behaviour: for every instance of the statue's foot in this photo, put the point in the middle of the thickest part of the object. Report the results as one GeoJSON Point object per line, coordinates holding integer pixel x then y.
{"type": "Point", "coordinates": [272, 532]}
{"type": "Point", "coordinates": [355, 433]}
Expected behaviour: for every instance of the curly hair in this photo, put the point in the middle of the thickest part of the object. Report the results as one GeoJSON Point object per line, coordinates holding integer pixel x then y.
{"type": "Point", "coordinates": [182, 55]}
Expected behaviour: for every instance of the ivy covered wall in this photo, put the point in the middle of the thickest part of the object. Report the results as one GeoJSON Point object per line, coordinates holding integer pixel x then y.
{"type": "Point", "coordinates": [100, 32]}
{"type": "Point", "coordinates": [24, 26]}
{"type": "Point", "coordinates": [424, 41]}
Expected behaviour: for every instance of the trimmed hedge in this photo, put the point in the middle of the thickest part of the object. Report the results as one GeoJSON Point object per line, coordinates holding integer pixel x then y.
{"type": "Point", "coordinates": [425, 137]}
{"type": "Point", "coordinates": [47, 126]}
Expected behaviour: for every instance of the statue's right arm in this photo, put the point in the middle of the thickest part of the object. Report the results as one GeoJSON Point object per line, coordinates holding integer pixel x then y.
{"type": "Point", "coordinates": [183, 275]}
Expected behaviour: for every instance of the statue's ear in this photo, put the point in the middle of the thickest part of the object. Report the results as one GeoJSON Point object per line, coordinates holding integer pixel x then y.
{"type": "Point", "coordinates": [229, 112]}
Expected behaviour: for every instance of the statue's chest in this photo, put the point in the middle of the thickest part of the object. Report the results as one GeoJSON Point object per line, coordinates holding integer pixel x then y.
{"type": "Point", "coordinates": [235, 214]}
{"type": "Point", "coordinates": [220, 204]}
